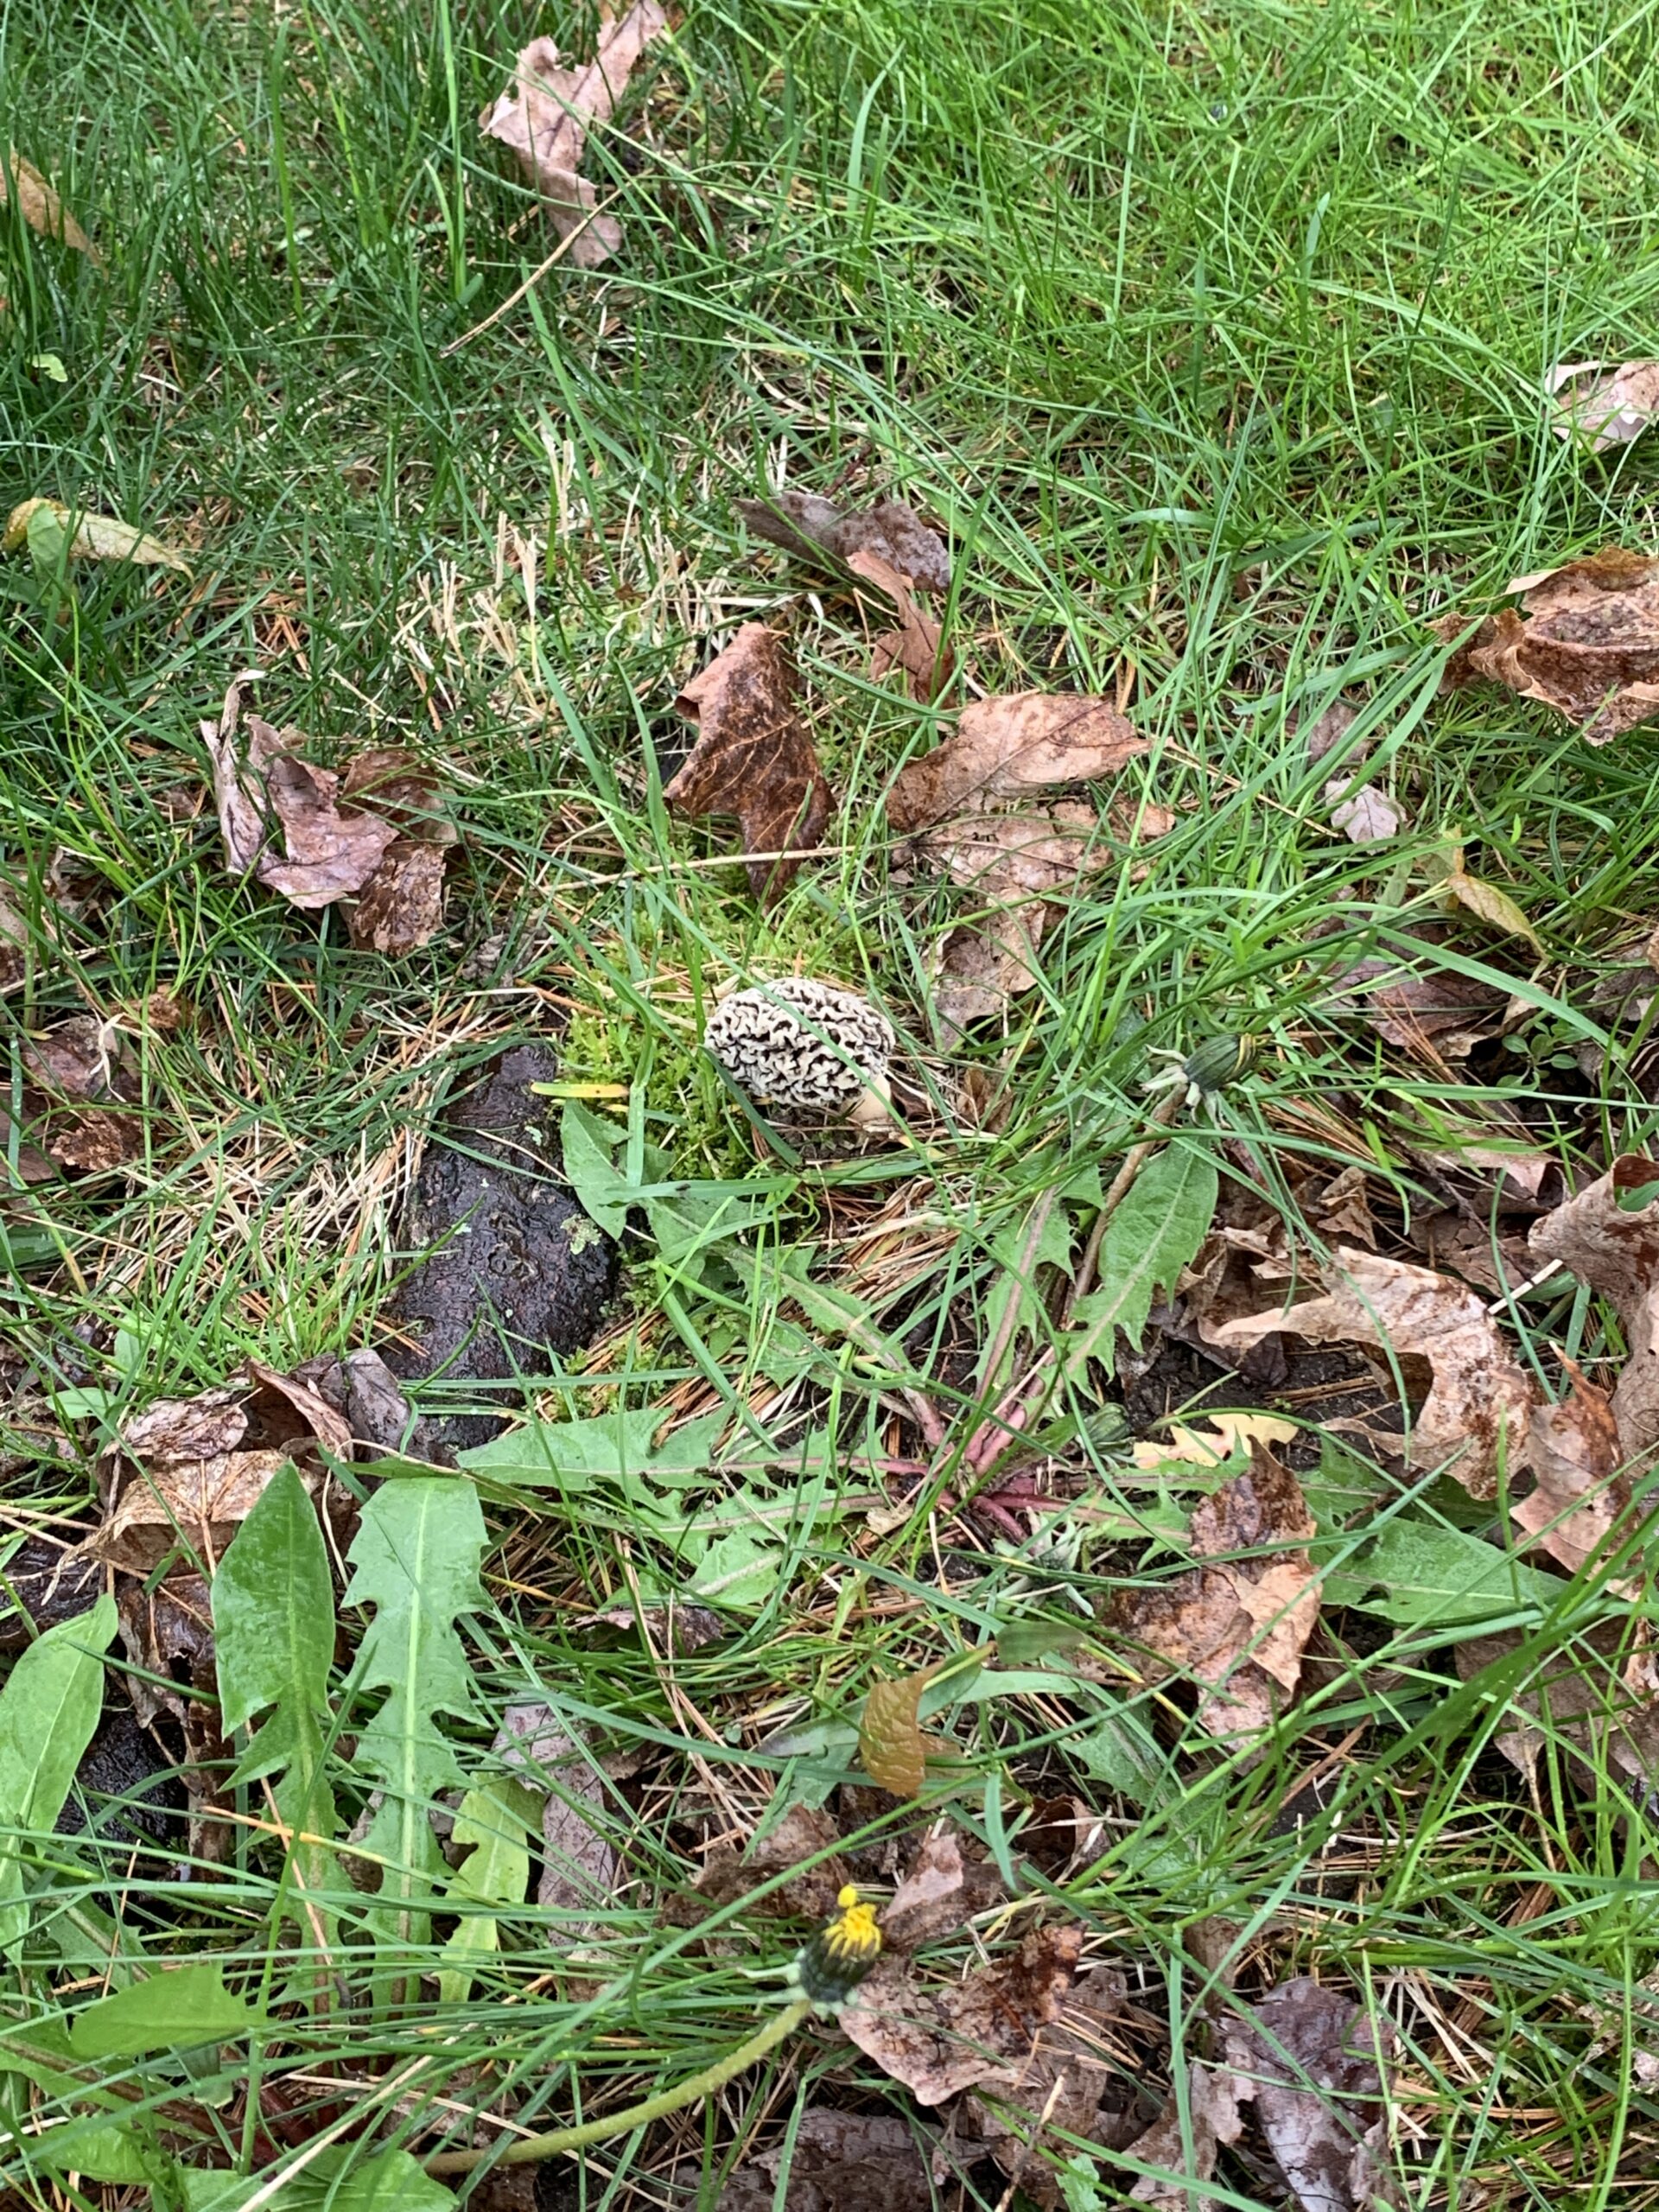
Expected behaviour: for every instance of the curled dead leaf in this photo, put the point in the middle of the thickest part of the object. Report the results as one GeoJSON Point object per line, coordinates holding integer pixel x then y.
{"type": "Point", "coordinates": [847, 2162]}
{"type": "Point", "coordinates": [1315, 2063]}
{"type": "Point", "coordinates": [753, 758]}
{"type": "Point", "coordinates": [1585, 641]}
{"type": "Point", "coordinates": [402, 904]}
{"type": "Point", "coordinates": [386, 849]}
{"type": "Point", "coordinates": [579, 1861]}
{"type": "Point", "coordinates": [1058, 2094]}
{"type": "Point", "coordinates": [1476, 1415]}
{"type": "Point", "coordinates": [189, 1471]}
{"type": "Point", "coordinates": [1608, 1236]}
{"type": "Point", "coordinates": [79, 1101]}
{"type": "Point", "coordinates": [1237, 1624]}
{"type": "Point", "coordinates": [41, 207]}
{"type": "Point", "coordinates": [917, 645]}
{"type": "Point", "coordinates": [1213, 2097]}
{"type": "Point", "coordinates": [544, 117]}
{"type": "Point", "coordinates": [1008, 747]}
{"type": "Point", "coordinates": [939, 2039]}
{"type": "Point", "coordinates": [168, 1634]}
{"type": "Point", "coordinates": [812, 527]}
{"type": "Point", "coordinates": [942, 1888]}
{"type": "Point", "coordinates": [803, 1835]}
{"type": "Point", "coordinates": [1579, 1495]}
{"type": "Point", "coordinates": [93, 538]}
{"type": "Point", "coordinates": [1604, 407]}
{"type": "Point", "coordinates": [980, 966]}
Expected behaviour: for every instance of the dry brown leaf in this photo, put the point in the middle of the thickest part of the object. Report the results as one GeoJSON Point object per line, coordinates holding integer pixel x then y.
{"type": "Point", "coordinates": [803, 1833]}
{"type": "Point", "coordinates": [190, 1470]}
{"type": "Point", "coordinates": [387, 851]}
{"type": "Point", "coordinates": [846, 2162]}
{"type": "Point", "coordinates": [41, 207]}
{"type": "Point", "coordinates": [1581, 1495]}
{"type": "Point", "coordinates": [1059, 2092]}
{"type": "Point", "coordinates": [1605, 406]}
{"type": "Point", "coordinates": [1238, 1625]}
{"type": "Point", "coordinates": [544, 117]}
{"type": "Point", "coordinates": [1006, 748]}
{"type": "Point", "coordinates": [940, 2039]}
{"type": "Point", "coordinates": [1608, 1236]}
{"type": "Point", "coordinates": [1478, 1409]}
{"type": "Point", "coordinates": [1007, 859]}
{"type": "Point", "coordinates": [917, 645]}
{"type": "Point", "coordinates": [1315, 2063]}
{"type": "Point", "coordinates": [80, 1098]}
{"type": "Point", "coordinates": [943, 1889]}
{"type": "Point", "coordinates": [402, 906]}
{"type": "Point", "coordinates": [579, 1862]}
{"type": "Point", "coordinates": [753, 758]}
{"type": "Point", "coordinates": [1450, 1012]}
{"type": "Point", "coordinates": [1327, 730]}
{"type": "Point", "coordinates": [1594, 1695]}
{"type": "Point", "coordinates": [168, 1634]}
{"type": "Point", "coordinates": [1213, 2097]}
{"type": "Point", "coordinates": [1365, 815]}
{"type": "Point", "coordinates": [812, 527]}
{"type": "Point", "coordinates": [94, 537]}
{"type": "Point", "coordinates": [981, 965]}
{"type": "Point", "coordinates": [1588, 646]}
{"type": "Point", "coordinates": [198, 1503]}
{"type": "Point", "coordinates": [330, 855]}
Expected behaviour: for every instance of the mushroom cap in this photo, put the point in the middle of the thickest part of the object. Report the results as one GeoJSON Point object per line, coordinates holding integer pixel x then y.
{"type": "Point", "coordinates": [801, 1044]}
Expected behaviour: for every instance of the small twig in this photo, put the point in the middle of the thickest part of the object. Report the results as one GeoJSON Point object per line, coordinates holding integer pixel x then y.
{"type": "Point", "coordinates": [531, 2150]}
{"type": "Point", "coordinates": [529, 283]}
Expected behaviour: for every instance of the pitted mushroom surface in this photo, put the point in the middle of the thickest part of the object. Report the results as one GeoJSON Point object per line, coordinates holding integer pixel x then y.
{"type": "Point", "coordinates": [806, 1045]}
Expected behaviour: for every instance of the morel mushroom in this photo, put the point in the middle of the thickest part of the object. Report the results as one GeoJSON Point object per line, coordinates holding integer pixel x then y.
{"type": "Point", "coordinates": [819, 1052]}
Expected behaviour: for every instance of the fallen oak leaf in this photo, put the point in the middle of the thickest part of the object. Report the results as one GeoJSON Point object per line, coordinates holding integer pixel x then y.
{"type": "Point", "coordinates": [1008, 747]}
{"type": "Point", "coordinates": [544, 117]}
{"type": "Point", "coordinates": [1480, 1401]}
{"type": "Point", "coordinates": [849, 2162]}
{"type": "Point", "coordinates": [80, 1100]}
{"type": "Point", "coordinates": [917, 645]}
{"type": "Point", "coordinates": [941, 2039]}
{"type": "Point", "coordinates": [96, 538]}
{"type": "Point", "coordinates": [1604, 407]}
{"type": "Point", "coordinates": [191, 1470]}
{"type": "Point", "coordinates": [41, 207]}
{"type": "Point", "coordinates": [1581, 1495]}
{"type": "Point", "coordinates": [1588, 645]}
{"type": "Point", "coordinates": [753, 758]}
{"type": "Point", "coordinates": [1057, 2097]}
{"type": "Point", "coordinates": [1237, 1625]}
{"type": "Point", "coordinates": [401, 907]}
{"type": "Point", "coordinates": [1213, 2097]}
{"type": "Point", "coordinates": [1315, 2063]}
{"type": "Point", "coordinates": [1608, 1236]}
{"type": "Point", "coordinates": [330, 855]}
{"type": "Point", "coordinates": [812, 527]}
{"type": "Point", "coordinates": [803, 1835]}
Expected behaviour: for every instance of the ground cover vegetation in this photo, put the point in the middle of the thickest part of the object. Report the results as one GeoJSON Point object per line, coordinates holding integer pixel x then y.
{"type": "Point", "coordinates": [830, 1246]}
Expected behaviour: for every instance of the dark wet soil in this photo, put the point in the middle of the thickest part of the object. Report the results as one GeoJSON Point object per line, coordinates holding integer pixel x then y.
{"type": "Point", "coordinates": [514, 1270]}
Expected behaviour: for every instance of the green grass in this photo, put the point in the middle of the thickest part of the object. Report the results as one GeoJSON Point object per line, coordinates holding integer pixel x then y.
{"type": "Point", "coordinates": [1217, 339]}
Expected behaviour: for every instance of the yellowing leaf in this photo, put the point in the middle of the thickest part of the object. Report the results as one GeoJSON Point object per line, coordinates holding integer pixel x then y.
{"type": "Point", "coordinates": [99, 537]}
{"type": "Point", "coordinates": [1494, 907]}
{"type": "Point", "coordinates": [890, 1737]}
{"type": "Point", "coordinates": [41, 207]}
{"type": "Point", "coordinates": [1214, 1445]}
